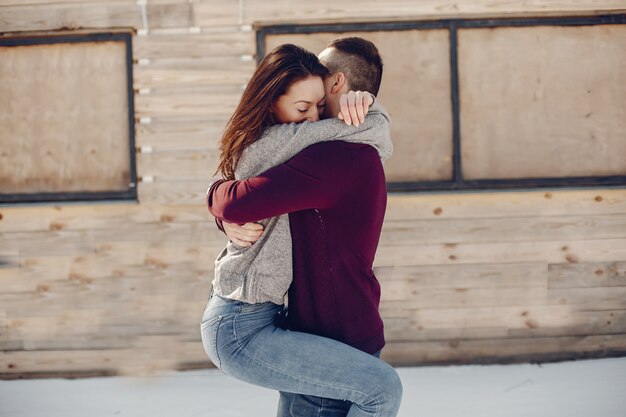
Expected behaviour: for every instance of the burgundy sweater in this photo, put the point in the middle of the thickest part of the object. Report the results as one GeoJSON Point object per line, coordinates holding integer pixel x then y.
{"type": "Point", "coordinates": [336, 196]}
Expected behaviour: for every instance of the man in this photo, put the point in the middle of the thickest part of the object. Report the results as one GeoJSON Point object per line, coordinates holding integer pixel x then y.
{"type": "Point", "coordinates": [334, 292]}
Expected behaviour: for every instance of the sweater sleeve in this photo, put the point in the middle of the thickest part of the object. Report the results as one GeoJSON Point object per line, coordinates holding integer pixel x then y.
{"type": "Point", "coordinates": [315, 178]}
{"type": "Point", "coordinates": [280, 143]}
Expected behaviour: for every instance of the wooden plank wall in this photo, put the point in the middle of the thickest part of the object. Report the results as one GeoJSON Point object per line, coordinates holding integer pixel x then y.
{"type": "Point", "coordinates": [119, 288]}
{"type": "Point", "coordinates": [51, 141]}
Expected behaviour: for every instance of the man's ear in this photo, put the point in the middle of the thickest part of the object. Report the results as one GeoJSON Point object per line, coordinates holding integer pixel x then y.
{"type": "Point", "coordinates": [339, 81]}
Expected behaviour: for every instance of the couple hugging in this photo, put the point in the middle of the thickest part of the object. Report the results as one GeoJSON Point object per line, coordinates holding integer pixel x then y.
{"type": "Point", "coordinates": [294, 305]}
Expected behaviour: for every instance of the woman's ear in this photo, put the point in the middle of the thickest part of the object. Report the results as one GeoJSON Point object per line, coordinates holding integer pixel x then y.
{"type": "Point", "coordinates": [270, 118]}
{"type": "Point", "coordinates": [339, 80]}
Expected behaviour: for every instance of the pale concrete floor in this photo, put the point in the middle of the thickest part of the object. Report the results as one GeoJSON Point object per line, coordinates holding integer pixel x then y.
{"type": "Point", "coordinates": [590, 388]}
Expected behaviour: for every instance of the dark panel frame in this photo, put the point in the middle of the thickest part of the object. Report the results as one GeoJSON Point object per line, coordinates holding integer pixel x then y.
{"type": "Point", "coordinates": [131, 192]}
{"type": "Point", "coordinates": [452, 25]}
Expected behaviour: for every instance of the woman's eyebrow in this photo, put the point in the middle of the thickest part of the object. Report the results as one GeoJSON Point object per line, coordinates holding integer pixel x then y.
{"type": "Point", "coordinates": [309, 102]}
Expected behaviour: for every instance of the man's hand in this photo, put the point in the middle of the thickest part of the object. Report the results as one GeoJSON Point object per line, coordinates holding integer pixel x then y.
{"type": "Point", "coordinates": [244, 235]}
{"type": "Point", "coordinates": [354, 106]}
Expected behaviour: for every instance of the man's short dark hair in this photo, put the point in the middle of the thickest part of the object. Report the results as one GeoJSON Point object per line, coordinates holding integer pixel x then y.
{"type": "Point", "coordinates": [359, 59]}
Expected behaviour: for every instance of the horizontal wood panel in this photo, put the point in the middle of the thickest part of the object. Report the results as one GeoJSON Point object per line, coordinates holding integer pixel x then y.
{"type": "Point", "coordinates": [196, 13]}
{"type": "Point", "coordinates": [205, 103]}
{"type": "Point", "coordinates": [148, 354]}
{"type": "Point", "coordinates": [503, 317]}
{"type": "Point", "coordinates": [98, 15]}
{"type": "Point", "coordinates": [462, 297]}
{"type": "Point", "coordinates": [530, 326]}
{"type": "Point", "coordinates": [466, 276]}
{"type": "Point", "coordinates": [173, 192]}
{"type": "Point", "coordinates": [596, 298]}
{"type": "Point", "coordinates": [112, 265]}
{"type": "Point", "coordinates": [155, 78]}
{"type": "Point", "coordinates": [510, 229]}
{"type": "Point", "coordinates": [504, 350]}
{"type": "Point", "coordinates": [178, 164]}
{"type": "Point", "coordinates": [402, 330]}
{"type": "Point", "coordinates": [169, 14]}
{"type": "Point", "coordinates": [211, 13]}
{"type": "Point", "coordinates": [48, 243]}
{"type": "Point", "coordinates": [409, 353]}
{"type": "Point", "coordinates": [196, 134]}
{"type": "Point", "coordinates": [48, 3]}
{"type": "Point", "coordinates": [605, 274]}
{"type": "Point", "coordinates": [605, 250]}
{"type": "Point", "coordinates": [20, 15]}
{"type": "Point", "coordinates": [217, 44]}
{"type": "Point", "coordinates": [158, 311]}
{"type": "Point", "coordinates": [114, 260]}
{"type": "Point", "coordinates": [450, 229]}
{"type": "Point", "coordinates": [585, 323]}
{"type": "Point", "coordinates": [89, 217]}
{"type": "Point", "coordinates": [485, 322]}
{"type": "Point", "coordinates": [506, 204]}
{"type": "Point", "coordinates": [400, 207]}
{"type": "Point", "coordinates": [330, 11]}
{"type": "Point", "coordinates": [9, 259]}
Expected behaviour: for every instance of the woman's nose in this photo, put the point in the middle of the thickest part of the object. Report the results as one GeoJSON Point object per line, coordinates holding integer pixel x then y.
{"type": "Point", "coordinates": [314, 115]}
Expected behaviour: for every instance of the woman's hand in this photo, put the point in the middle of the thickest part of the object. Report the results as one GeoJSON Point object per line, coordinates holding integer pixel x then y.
{"type": "Point", "coordinates": [354, 106]}
{"type": "Point", "coordinates": [243, 235]}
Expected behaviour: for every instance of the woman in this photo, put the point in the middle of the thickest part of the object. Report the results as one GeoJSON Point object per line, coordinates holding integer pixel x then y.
{"type": "Point", "coordinates": [239, 328]}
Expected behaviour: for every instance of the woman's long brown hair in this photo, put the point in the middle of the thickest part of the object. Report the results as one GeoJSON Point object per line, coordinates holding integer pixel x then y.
{"type": "Point", "coordinates": [275, 74]}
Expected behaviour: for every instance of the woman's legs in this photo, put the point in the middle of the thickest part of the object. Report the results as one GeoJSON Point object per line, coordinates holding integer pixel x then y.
{"type": "Point", "coordinates": [299, 405]}
{"type": "Point", "coordinates": [243, 341]}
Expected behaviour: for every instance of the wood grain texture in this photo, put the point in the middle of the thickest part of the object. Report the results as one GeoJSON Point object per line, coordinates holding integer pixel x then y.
{"type": "Point", "coordinates": [229, 44]}
{"type": "Point", "coordinates": [287, 11]}
{"type": "Point", "coordinates": [65, 118]}
{"type": "Point", "coordinates": [530, 203]}
{"type": "Point", "coordinates": [603, 250]}
{"type": "Point", "coordinates": [180, 135]}
{"type": "Point", "coordinates": [194, 164]}
{"type": "Point", "coordinates": [214, 102]}
{"type": "Point", "coordinates": [172, 191]}
{"type": "Point", "coordinates": [100, 289]}
{"type": "Point", "coordinates": [211, 13]}
{"type": "Point", "coordinates": [73, 15]}
{"type": "Point", "coordinates": [415, 90]}
{"type": "Point", "coordinates": [507, 350]}
{"type": "Point", "coordinates": [558, 109]}
{"type": "Point", "coordinates": [181, 73]}
{"type": "Point", "coordinates": [511, 229]}
{"type": "Point", "coordinates": [590, 275]}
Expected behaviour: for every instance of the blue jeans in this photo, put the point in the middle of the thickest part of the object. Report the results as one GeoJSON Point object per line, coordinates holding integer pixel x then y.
{"type": "Point", "coordinates": [244, 341]}
{"type": "Point", "coordinates": [299, 405]}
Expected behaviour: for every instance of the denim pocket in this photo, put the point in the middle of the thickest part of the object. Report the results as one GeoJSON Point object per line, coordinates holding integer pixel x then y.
{"type": "Point", "coordinates": [252, 318]}
{"type": "Point", "coordinates": [209, 331]}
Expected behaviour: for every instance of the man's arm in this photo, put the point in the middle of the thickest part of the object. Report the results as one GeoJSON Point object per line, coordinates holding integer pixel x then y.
{"type": "Point", "coordinates": [354, 105]}
{"type": "Point", "coordinates": [245, 235]}
{"type": "Point", "coordinates": [281, 142]}
{"type": "Point", "coordinates": [315, 178]}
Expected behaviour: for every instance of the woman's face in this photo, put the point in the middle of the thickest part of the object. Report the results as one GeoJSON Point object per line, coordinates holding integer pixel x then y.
{"type": "Point", "coordinates": [304, 101]}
